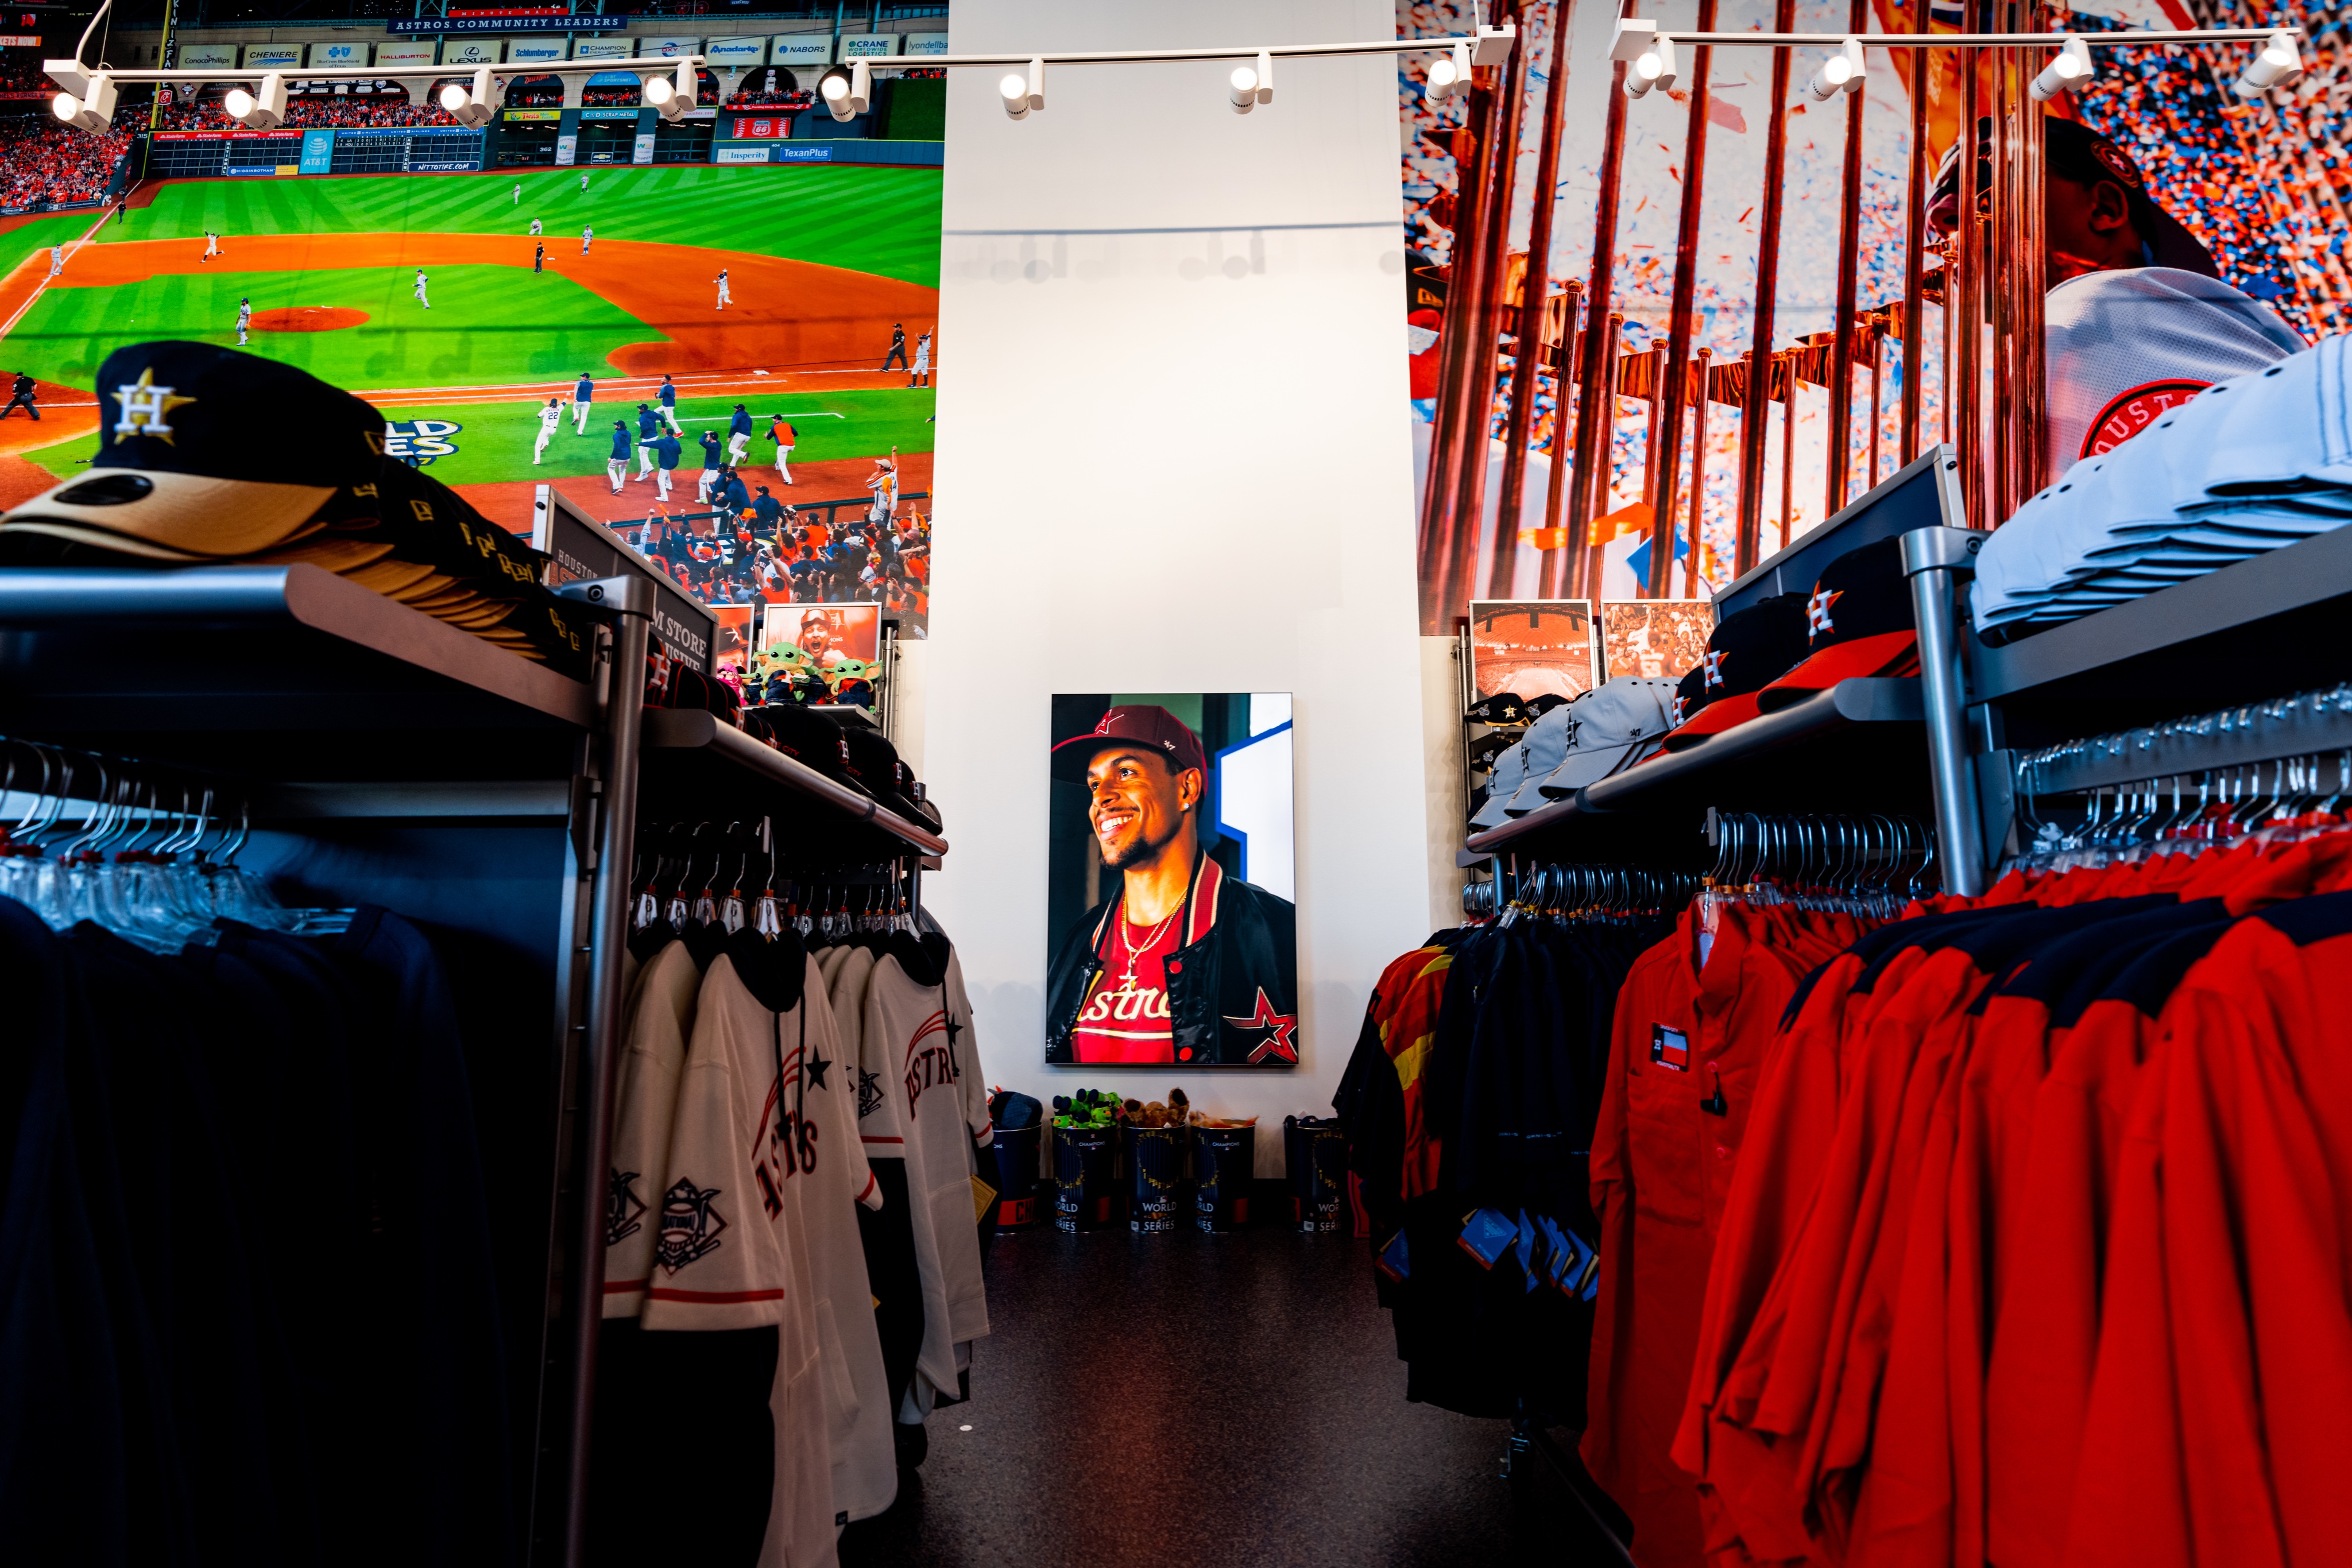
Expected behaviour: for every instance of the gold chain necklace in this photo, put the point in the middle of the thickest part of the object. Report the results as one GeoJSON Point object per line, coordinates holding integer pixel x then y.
{"type": "Point", "coordinates": [1126, 934]}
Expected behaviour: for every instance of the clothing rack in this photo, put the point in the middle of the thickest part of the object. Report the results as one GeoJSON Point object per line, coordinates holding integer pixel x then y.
{"type": "Point", "coordinates": [377, 755]}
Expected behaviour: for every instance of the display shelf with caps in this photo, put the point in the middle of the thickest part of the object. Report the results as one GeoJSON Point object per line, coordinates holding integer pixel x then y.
{"type": "Point", "coordinates": [695, 756]}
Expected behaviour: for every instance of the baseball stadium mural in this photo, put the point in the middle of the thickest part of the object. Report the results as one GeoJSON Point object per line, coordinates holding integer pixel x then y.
{"type": "Point", "coordinates": [616, 332]}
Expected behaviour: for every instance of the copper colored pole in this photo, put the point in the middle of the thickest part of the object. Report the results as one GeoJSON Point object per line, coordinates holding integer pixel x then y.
{"type": "Point", "coordinates": [1596, 415]}
{"type": "Point", "coordinates": [1551, 578]}
{"type": "Point", "coordinates": [1493, 261]}
{"type": "Point", "coordinates": [1657, 482]}
{"type": "Point", "coordinates": [1848, 282]}
{"type": "Point", "coordinates": [1877, 359]}
{"type": "Point", "coordinates": [1535, 288]}
{"type": "Point", "coordinates": [1752, 430]}
{"type": "Point", "coordinates": [1686, 300]}
{"type": "Point", "coordinates": [1698, 473]}
{"type": "Point", "coordinates": [1444, 584]}
{"type": "Point", "coordinates": [2041, 465]}
{"type": "Point", "coordinates": [1964, 299]}
{"type": "Point", "coordinates": [1915, 241]}
{"type": "Point", "coordinates": [2000, 277]}
{"type": "Point", "coordinates": [1595, 495]}
{"type": "Point", "coordinates": [1788, 378]}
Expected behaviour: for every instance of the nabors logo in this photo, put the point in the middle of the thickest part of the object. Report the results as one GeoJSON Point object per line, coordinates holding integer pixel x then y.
{"type": "Point", "coordinates": [417, 442]}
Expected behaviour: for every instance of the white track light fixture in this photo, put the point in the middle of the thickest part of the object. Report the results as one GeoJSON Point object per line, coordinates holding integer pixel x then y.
{"type": "Point", "coordinates": [2279, 64]}
{"type": "Point", "coordinates": [1252, 85]}
{"type": "Point", "coordinates": [861, 86]}
{"type": "Point", "coordinates": [1014, 88]}
{"type": "Point", "coordinates": [262, 110]}
{"type": "Point", "coordinates": [94, 111]}
{"type": "Point", "coordinates": [2071, 67]}
{"type": "Point", "coordinates": [1653, 68]}
{"type": "Point", "coordinates": [1449, 75]}
{"type": "Point", "coordinates": [673, 94]}
{"type": "Point", "coordinates": [833, 87]}
{"type": "Point", "coordinates": [1842, 72]}
{"type": "Point", "coordinates": [472, 109]}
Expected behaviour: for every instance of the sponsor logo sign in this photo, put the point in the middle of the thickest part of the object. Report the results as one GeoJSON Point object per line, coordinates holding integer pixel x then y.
{"type": "Point", "coordinates": [804, 152]}
{"type": "Point", "coordinates": [339, 55]}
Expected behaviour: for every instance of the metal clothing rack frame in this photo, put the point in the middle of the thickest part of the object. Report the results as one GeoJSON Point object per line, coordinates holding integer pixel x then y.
{"type": "Point", "coordinates": [390, 757]}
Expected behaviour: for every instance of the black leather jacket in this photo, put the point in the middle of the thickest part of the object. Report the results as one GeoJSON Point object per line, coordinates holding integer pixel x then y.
{"type": "Point", "coordinates": [1233, 986]}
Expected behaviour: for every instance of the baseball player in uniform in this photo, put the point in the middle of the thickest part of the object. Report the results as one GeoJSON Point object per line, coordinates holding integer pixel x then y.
{"type": "Point", "coordinates": [584, 182]}
{"type": "Point", "coordinates": [616, 467]}
{"type": "Point", "coordinates": [648, 426]}
{"type": "Point", "coordinates": [669, 395]}
{"type": "Point", "coordinates": [212, 246]}
{"type": "Point", "coordinates": [739, 436]}
{"type": "Point", "coordinates": [587, 238]}
{"type": "Point", "coordinates": [780, 432]}
{"type": "Point", "coordinates": [535, 230]}
{"type": "Point", "coordinates": [581, 396]}
{"type": "Point", "coordinates": [420, 289]}
{"type": "Point", "coordinates": [244, 320]}
{"type": "Point", "coordinates": [922, 374]}
{"type": "Point", "coordinates": [665, 449]}
{"type": "Point", "coordinates": [548, 418]}
{"type": "Point", "coordinates": [57, 260]}
{"type": "Point", "coordinates": [2137, 319]}
{"type": "Point", "coordinates": [712, 462]}
{"type": "Point", "coordinates": [518, 196]}
{"type": "Point", "coordinates": [723, 295]}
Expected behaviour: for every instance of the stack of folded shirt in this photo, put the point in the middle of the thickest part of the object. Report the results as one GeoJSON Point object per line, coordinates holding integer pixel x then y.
{"type": "Point", "coordinates": [2242, 467]}
{"type": "Point", "coordinates": [210, 457]}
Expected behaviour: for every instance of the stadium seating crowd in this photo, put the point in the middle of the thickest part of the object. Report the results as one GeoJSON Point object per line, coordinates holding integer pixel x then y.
{"type": "Point", "coordinates": [791, 558]}
{"type": "Point", "coordinates": [44, 161]}
{"type": "Point", "coordinates": [786, 101]}
{"type": "Point", "coordinates": [310, 109]}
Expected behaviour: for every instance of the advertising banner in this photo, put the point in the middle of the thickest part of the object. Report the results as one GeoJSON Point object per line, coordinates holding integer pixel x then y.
{"type": "Point", "coordinates": [453, 23]}
{"type": "Point", "coordinates": [735, 54]}
{"type": "Point", "coordinates": [404, 55]}
{"type": "Point", "coordinates": [754, 128]}
{"type": "Point", "coordinates": [337, 57]}
{"type": "Point", "coordinates": [273, 56]}
{"type": "Point", "coordinates": [804, 152]}
{"type": "Point", "coordinates": [723, 153]}
{"type": "Point", "coordinates": [567, 150]}
{"type": "Point", "coordinates": [20, 40]}
{"type": "Point", "coordinates": [472, 51]}
{"type": "Point", "coordinates": [536, 51]}
{"type": "Point", "coordinates": [868, 46]}
{"type": "Point", "coordinates": [926, 44]}
{"type": "Point", "coordinates": [667, 49]}
{"type": "Point", "coordinates": [534, 114]}
{"type": "Point", "coordinates": [800, 49]}
{"type": "Point", "coordinates": [644, 152]}
{"type": "Point", "coordinates": [318, 152]}
{"type": "Point", "coordinates": [207, 56]}
{"type": "Point", "coordinates": [610, 113]}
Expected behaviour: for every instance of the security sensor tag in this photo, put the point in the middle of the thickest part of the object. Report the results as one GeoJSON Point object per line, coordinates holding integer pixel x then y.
{"type": "Point", "coordinates": [1669, 1047]}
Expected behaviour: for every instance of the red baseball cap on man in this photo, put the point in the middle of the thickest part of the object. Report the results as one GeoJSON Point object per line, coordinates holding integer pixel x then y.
{"type": "Point", "coordinates": [1152, 728]}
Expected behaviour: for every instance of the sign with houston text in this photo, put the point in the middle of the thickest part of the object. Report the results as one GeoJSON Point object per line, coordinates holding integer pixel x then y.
{"type": "Point", "coordinates": [1171, 927]}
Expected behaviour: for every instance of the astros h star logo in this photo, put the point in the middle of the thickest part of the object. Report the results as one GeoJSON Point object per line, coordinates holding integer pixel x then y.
{"type": "Point", "coordinates": [146, 407]}
{"type": "Point", "coordinates": [1280, 1026]}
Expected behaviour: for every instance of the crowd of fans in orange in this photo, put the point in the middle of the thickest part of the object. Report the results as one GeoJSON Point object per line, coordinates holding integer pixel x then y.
{"type": "Point", "coordinates": [43, 160]}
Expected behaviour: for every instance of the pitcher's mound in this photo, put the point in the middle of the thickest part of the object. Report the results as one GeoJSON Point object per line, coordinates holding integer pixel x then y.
{"type": "Point", "coordinates": [307, 318]}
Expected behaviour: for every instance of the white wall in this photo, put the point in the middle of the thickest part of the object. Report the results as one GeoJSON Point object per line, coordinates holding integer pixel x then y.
{"type": "Point", "coordinates": [1176, 458]}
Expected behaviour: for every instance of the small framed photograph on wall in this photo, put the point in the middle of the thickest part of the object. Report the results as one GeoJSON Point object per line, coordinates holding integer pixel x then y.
{"type": "Point", "coordinates": [1532, 647]}
{"type": "Point", "coordinates": [1172, 927]}
{"type": "Point", "coordinates": [1656, 639]}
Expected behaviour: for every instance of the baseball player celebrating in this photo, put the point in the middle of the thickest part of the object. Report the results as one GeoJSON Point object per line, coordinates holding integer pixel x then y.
{"type": "Point", "coordinates": [581, 396]}
{"type": "Point", "coordinates": [780, 432]}
{"type": "Point", "coordinates": [587, 238]}
{"type": "Point", "coordinates": [616, 467]}
{"type": "Point", "coordinates": [921, 373]}
{"type": "Point", "coordinates": [244, 320]}
{"type": "Point", "coordinates": [665, 447]}
{"type": "Point", "coordinates": [739, 436]}
{"type": "Point", "coordinates": [548, 418]}
{"type": "Point", "coordinates": [712, 462]}
{"type": "Point", "coordinates": [723, 296]}
{"type": "Point", "coordinates": [648, 428]}
{"type": "Point", "coordinates": [212, 246]}
{"type": "Point", "coordinates": [420, 289]}
{"type": "Point", "coordinates": [669, 405]}
{"type": "Point", "coordinates": [57, 260]}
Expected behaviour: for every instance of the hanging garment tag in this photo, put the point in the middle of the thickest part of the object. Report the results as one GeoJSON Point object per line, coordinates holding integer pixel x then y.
{"type": "Point", "coordinates": [1714, 1104]}
{"type": "Point", "coordinates": [1530, 1251]}
{"type": "Point", "coordinates": [1669, 1047]}
{"type": "Point", "coordinates": [1393, 1261]}
{"type": "Point", "coordinates": [1486, 1236]}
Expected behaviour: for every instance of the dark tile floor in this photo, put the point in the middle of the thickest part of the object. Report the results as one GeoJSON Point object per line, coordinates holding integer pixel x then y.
{"type": "Point", "coordinates": [1185, 1398]}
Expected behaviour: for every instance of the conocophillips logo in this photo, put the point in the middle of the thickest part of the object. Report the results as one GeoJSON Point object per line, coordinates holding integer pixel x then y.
{"type": "Point", "coordinates": [420, 441]}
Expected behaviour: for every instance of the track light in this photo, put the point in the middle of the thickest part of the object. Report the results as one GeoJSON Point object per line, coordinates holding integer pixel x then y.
{"type": "Point", "coordinates": [848, 96]}
{"type": "Point", "coordinates": [471, 108]}
{"type": "Point", "coordinates": [671, 94]}
{"type": "Point", "coordinates": [1842, 72]}
{"type": "Point", "coordinates": [92, 113]}
{"type": "Point", "coordinates": [1449, 74]}
{"type": "Point", "coordinates": [261, 110]}
{"type": "Point", "coordinates": [1653, 68]}
{"type": "Point", "coordinates": [2279, 64]}
{"type": "Point", "coordinates": [1252, 85]}
{"type": "Point", "coordinates": [1023, 93]}
{"type": "Point", "coordinates": [2070, 66]}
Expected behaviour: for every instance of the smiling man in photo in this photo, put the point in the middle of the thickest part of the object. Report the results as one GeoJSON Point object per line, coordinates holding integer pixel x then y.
{"type": "Point", "coordinates": [1185, 965]}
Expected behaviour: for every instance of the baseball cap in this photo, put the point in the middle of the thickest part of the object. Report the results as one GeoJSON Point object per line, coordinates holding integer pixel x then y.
{"type": "Point", "coordinates": [1510, 771]}
{"type": "Point", "coordinates": [1858, 622]}
{"type": "Point", "coordinates": [181, 478]}
{"type": "Point", "coordinates": [811, 738]}
{"type": "Point", "coordinates": [1747, 651]}
{"type": "Point", "coordinates": [877, 766]}
{"type": "Point", "coordinates": [1616, 725]}
{"type": "Point", "coordinates": [1690, 696]}
{"type": "Point", "coordinates": [1544, 749]}
{"type": "Point", "coordinates": [1502, 707]}
{"type": "Point", "coordinates": [2074, 152]}
{"type": "Point", "coordinates": [1153, 728]}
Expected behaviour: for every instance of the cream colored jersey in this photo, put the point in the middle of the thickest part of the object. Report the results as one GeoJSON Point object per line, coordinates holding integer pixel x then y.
{"type": "Point", "coordinates": [922, 1094]}
{"type": "Point", "coordinates": [653, 1057]}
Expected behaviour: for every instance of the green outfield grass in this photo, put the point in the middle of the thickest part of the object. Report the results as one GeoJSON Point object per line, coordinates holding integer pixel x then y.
{"type": "Point", "coordinates": [495, 442]}
{"type": "Point", "coordinates": [56, 228]}
{"type": "Point", "coordinates": [884, 220]}
{"type": "Point", "coordinates": [489, 325]}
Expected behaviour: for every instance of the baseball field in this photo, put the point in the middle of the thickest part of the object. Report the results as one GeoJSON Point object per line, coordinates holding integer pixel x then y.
{"type": "Point", "coordinates": [820, 262]}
